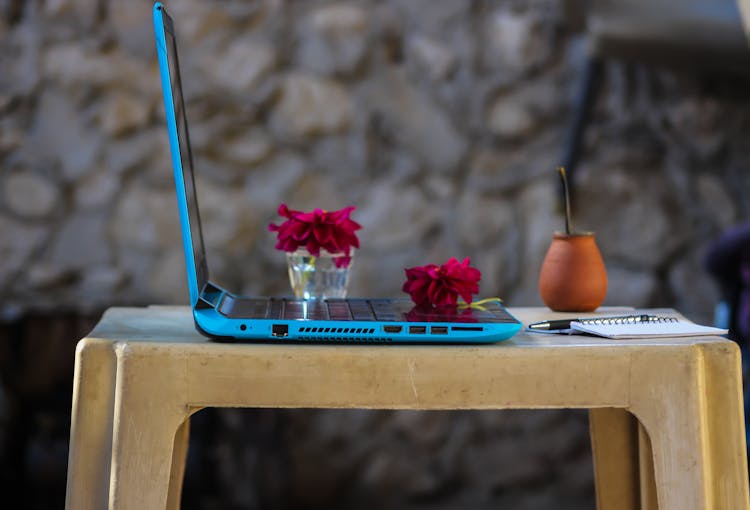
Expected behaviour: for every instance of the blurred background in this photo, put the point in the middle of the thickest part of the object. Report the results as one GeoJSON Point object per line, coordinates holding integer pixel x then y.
{"type": "Point", "coordinates": [442, 121]}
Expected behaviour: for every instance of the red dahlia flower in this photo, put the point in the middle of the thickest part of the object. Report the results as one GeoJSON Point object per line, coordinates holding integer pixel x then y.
{"type": "Point", "coordinates": [433, 285]}
{"type": "Point", "coordinates": [316, 230]}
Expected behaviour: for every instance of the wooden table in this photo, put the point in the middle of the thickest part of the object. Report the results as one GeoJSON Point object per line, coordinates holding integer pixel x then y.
{"type": "Point", "coordinates": [142, 372]}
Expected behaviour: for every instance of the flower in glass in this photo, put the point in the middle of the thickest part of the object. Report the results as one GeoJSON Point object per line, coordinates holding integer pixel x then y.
{"type": "Point", "coordinates": [434, 285]}
{"type": "Point", "coordinates": [332, 231]}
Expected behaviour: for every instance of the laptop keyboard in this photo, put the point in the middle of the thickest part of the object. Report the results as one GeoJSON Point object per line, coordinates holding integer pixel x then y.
{"type": "Point", "coordinates": [296, 309]}
{"type": "Point", "coordinates": [380, 310]}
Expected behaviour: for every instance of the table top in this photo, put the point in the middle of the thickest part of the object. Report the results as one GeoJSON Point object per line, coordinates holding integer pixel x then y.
{"type": "Point", "coordinates": [174, 324]}
{"type": "Point", "coordinates": [530, 370]}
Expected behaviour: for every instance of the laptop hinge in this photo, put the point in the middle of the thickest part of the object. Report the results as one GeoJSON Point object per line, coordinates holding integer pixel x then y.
{"type": "Point", "coordinates": [210, 297]}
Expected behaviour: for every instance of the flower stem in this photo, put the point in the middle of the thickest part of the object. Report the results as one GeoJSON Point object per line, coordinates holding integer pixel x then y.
{"type": "Point", "coordinates": [566, 191]}
{"type": "Point", "coordinates": [306, 275]}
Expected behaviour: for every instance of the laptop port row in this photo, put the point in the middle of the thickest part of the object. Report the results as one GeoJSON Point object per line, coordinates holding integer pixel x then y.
{"type": "Point", "coordinates": [435, 330]}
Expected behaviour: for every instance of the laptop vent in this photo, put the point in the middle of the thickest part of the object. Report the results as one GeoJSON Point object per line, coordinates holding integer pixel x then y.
{"type": "Point", "coordinates": [347, 331]}
{"type": "Point", "coordinates": [347, 339]}
{"type": "Point", "coordinates": [359, 335]}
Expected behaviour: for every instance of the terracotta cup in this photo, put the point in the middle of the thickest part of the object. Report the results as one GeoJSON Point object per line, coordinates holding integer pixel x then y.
{"type": "Point", "coordinates": [573, 277]}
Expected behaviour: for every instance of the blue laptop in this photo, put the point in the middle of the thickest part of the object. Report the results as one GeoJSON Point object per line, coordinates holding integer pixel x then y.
{"type": "Point", "coordinates": [224, 316]}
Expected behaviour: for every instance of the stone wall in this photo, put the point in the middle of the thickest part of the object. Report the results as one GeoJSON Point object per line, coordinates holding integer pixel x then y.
{"type": "Point", "coordinates": [442, 121]}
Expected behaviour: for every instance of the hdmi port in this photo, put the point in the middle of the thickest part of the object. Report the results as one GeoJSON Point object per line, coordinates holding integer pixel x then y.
{"type": "Point", "coordinates": [418, 329]}
{"type": "Point", "coordinates": [392, 329]}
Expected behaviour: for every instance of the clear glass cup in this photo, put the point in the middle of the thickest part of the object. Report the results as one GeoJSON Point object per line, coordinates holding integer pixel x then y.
{"type": "Point", "coordinates": [324, 276]}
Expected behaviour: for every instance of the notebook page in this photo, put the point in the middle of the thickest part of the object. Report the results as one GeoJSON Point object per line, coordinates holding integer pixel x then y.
{"type": "Point", "coordinates": [647, 329]}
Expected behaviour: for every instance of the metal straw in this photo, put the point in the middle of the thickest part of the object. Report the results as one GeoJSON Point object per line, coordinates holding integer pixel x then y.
{"type": "Point", "coordinates": [568, 221]}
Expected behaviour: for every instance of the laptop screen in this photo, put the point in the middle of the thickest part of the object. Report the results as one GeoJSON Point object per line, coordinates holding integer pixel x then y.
{"type": "Point", "coordinates": [186, 156]}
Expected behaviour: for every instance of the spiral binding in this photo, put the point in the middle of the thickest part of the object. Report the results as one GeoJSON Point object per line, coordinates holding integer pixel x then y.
{"type": "Point", "coordinates": [627, 319]}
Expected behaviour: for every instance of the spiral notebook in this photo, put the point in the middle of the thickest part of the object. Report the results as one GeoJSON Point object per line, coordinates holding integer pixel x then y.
{"type": "Point", "coordinates": [639, 326]}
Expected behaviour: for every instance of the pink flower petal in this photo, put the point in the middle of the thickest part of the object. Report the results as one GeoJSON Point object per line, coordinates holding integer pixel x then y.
{"type": "Point", "coordinates": [432, 285]}
{"type": "Point", "coordinates": [315, 230]}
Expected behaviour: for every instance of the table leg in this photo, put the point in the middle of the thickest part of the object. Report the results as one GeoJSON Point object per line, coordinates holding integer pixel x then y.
{"type": "Point", "coordinates": [647, 482]}
{"type": "Point", "coordinates": [91, 426]}
{"type": "Point", "coordinates": [726, 425]}
{"type": "Point", "coordinates": [744, 6]}
{"type": "Point", "coordinates": [149, 414]}
{"type": "Point", "coordinates": [614, 443]}
{"type": "Point", "coordinates": [691, 407]}
{"type": "Point", "coordinates": [177, 473]}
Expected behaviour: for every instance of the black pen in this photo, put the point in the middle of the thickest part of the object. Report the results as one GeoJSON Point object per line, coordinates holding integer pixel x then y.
{"type": "Point", "coordinates": [552, 325]}
{"type": "Point", "coordinates": [565, 323]}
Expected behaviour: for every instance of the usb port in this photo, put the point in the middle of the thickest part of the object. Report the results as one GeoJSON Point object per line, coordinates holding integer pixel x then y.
{"type": "Point", "coordinates": [439, 330]}
{"type": "Point", "coordinates": [420, 330]}
{"type": "Point", "coordinates": [280, 330]}
{"type": "Point", "coordinates": [392, 329]}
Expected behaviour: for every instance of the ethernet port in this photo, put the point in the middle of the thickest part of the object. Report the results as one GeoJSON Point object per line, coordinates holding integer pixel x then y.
{"type": "Point", "coordinates": [280, 330]}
